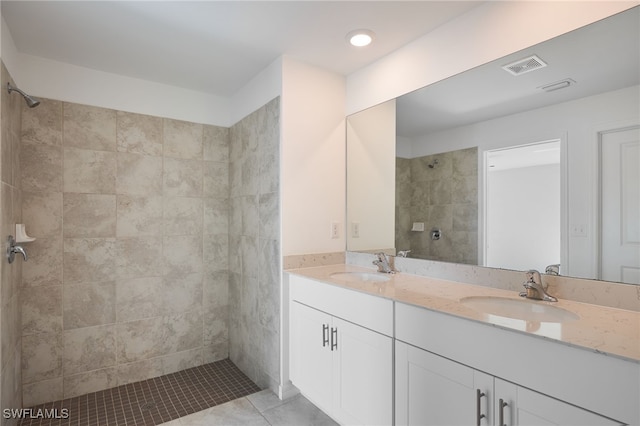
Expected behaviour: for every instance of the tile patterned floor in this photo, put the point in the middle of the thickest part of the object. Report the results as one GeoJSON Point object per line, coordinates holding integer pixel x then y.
{"type": "Point", "coordinates": [259, 409]}
{"type": "Point", "coordinates": [153, 401]}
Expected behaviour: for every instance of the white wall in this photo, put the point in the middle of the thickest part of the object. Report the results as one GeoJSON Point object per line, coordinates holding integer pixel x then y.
{"type": "Point", "coordinates": [262, 88]}
{"type": "Point", "coordinates": [371, 158]}
{"type": "Point", "coordinates": [7, 48]}
{"type": "Point", "coordinates": [313, 158]}
{"type": "Point", "coordinates": [486, 33]}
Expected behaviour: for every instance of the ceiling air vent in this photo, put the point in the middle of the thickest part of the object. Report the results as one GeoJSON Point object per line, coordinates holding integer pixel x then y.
{"type": "Point", "coordinates": [525, 65]}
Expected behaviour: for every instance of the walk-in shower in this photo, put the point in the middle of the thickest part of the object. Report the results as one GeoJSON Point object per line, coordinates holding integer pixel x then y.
{"type": "Point", "coordinates": [30, 100]}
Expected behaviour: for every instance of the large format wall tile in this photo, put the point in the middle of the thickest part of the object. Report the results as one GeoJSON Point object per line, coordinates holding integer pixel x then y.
{"type": "Point", "coordinates": [139, 216]}
{"type": "Point", "coordinates": [43, 391]}
{"type": "Point", "coordinates": [88, 171]}
{"type": "Point", "coordinates": [254, 250]}
{"type": "Point", "coordinates": [41, 167]}
{"type": "Point", "coordinates": [139, 370]}
{"type": "Point", "coordinates": [216, 216]}
{"type": "Point", "coordinates": [181, 293]}
{"type": "Point", "coordinates": [139, 175]}
{"type": "Point", "coordinates": [41, 309]}
{"type": "Point", "coordinates": [129, 277]}
{"type": "Point", "coordinates": [148, 338]}
{"type": "Point", "coordinates": [216, 252]}
{"type": "Point", "coordinates": [139, 298]}
{"type": "Point", "coordinates": [44, 124]}
{"type": "Point", "coordinates": [89, 304]}
{"type": "Point", "coordinates": [42, 356]}
{"type": "Point", "coordinates": [182, 255]}
{"type": "Point", "coordinates": [91, 381]}
{"type": "Point", "coordinates": [11, 159]}
{"type": "Point", "coordinates": [182, 139]}
{"type": "Point", "coordinates": [89, 348]}
{"type": "Point", "coordinates": [216, 179]}
{"type": "Point", "coordinates": [89, 127]}
{"type": "Point", "coordinates": [138, 257]}
{"type": "Point", "coordinates": [139, 134]}
{"type": "Point", "coordinates": [182, 360]}
{"type": "Point", "coordinates": [215, 144]}
{"type": "Point", "coordinates": [89, 260]}
{"type": "Point", "coordinates": [182, 178]}
{"type": "Point", "coordinates": [183, 216]}
{"type": "Point", "coordinates": [45, 263]}
{"type": "Point", "coordinates": [89, 215]}
{"type": "Point", "coordinates": [43, 212]}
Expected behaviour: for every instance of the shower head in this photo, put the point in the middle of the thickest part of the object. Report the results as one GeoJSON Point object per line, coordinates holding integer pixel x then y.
{"type": "Point", "coordinates": [30, 100]}
{"type": "Point", "coordinates": [434, 163]}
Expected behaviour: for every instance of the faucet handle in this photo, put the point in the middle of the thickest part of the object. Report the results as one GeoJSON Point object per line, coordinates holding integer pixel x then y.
{"type": "Point", "coordinates": [403, 253]}
{"type": "Point", "coordinates": [12, 249]}
{"type": "Point", "coordinates": [533, 277]}
{"type": "Point", "coordinates": [553, 269]}
{"type": "Point", "coordinates": [534, 287]}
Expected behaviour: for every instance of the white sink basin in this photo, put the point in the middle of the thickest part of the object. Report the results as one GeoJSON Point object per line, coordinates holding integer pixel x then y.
{"type": "Point", "coordinates": [360, 276]}
{"type": "Point", "coordinates": [521, 309]}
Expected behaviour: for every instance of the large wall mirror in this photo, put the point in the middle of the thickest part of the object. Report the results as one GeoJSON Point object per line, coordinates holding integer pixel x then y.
{"type": "Point", "coordinates": [530, 161]}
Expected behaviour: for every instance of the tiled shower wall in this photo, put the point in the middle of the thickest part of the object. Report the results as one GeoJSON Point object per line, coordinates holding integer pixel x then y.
{"type": "Point", "coordinates": [128, 277]}
{"type": "Point", "coordinates": [254, 241]}
{"type": "Point", "coordinates": [10, 200]}
{"type": "Point", "coordinates": [445, 197]}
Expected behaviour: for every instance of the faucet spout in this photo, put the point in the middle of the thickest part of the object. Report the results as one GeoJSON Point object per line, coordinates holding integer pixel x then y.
{"type": "Point", "coordinates": [383, 263]}
{"type": "Point", "coordinates": [534, 288]}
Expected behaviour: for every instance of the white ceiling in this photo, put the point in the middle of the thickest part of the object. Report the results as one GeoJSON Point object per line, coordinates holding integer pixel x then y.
{"type": "Point", "coordinates": [216, 46]}
{"type": "Point", "coordinates": [600, 57]}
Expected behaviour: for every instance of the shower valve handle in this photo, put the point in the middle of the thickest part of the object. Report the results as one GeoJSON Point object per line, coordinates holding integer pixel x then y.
{"type": "Point", "coordinates": [12, 249]}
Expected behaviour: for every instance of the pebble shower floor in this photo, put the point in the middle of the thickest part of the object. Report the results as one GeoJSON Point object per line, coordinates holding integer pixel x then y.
{"type": "Point", "coordinates": [153, 401]}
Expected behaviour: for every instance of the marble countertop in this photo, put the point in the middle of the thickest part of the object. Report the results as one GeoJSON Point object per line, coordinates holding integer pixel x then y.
{"type": "Point", "coordinates": [601, 329]}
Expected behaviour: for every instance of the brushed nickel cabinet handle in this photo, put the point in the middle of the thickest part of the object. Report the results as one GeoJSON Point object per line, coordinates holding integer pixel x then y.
{"type": "Point", "coordinates": [479, 415]}
{"type": "Point", "coordinates": [325, 335]}
{"type": "Point", "coordinates": [334, 339]}
{"type": "Point", "coordinates": [501, 405]}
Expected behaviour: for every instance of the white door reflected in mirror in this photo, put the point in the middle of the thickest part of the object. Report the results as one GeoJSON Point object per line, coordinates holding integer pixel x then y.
{"type": "Point", "coordinates": [620, 205]}
{"type": "Point", "coordinates": [522, 205]}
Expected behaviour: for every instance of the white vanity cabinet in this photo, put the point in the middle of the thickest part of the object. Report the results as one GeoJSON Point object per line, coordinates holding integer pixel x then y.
{"type": "Point", "coordinates": [516, 405]}
{"type": "Point", "coordinates": [341, 351]}
{"type": "Point", "coordinates": [451, 371]}
{"type": "Point", "coordinates": [432, 390]}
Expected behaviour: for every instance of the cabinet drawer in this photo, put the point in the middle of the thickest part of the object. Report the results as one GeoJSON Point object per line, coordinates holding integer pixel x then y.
{"type": "Point", "coordinates": [372, 312]}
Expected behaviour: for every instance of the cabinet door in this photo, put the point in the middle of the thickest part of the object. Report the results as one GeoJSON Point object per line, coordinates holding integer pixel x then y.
{"type": "Point", "coordinates": [431, 390]}
{"type": "Point", "coordinates": [311, 357]}
{"type": "Point", "coordinates": [363, 376]}
{"type": "Point", "coordinates": [524, 407]}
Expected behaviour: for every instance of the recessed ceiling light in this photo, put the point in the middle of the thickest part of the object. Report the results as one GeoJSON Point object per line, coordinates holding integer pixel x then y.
{"type": "Point", "coordinates": [360, 38]}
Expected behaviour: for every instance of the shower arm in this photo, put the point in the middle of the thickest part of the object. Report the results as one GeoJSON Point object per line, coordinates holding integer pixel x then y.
{"type": "Point", "coordinates": [30, 100]}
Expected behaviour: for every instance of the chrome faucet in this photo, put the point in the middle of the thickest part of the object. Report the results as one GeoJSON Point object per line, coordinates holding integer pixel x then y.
{"type": "Point", "coordinates": [553, 269]}
{"type": "Point", "coordinates": [383, 263]}
{"type": "Point", "coordinates": [403, 253]}
{"type": "Point", "coordinates": [534, 288]}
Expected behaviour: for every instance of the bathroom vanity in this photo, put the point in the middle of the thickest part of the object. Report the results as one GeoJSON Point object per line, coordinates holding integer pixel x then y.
{"type": "Point", "coordinates": [371, 348]}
